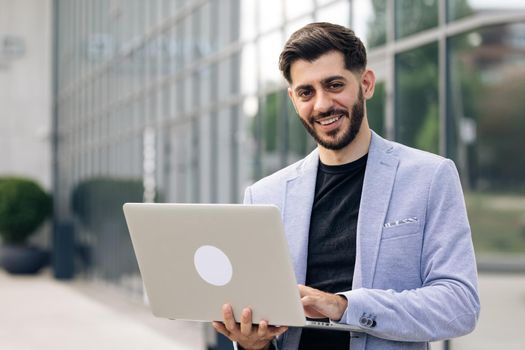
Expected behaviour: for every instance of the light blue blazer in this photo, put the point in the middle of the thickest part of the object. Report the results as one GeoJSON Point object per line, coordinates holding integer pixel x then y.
{"type": "Point", "coordinates": [415, 278]}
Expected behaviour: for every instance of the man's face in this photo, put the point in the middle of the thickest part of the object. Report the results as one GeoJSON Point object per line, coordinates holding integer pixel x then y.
{"type": "Point", "coordinates": [328, 98]}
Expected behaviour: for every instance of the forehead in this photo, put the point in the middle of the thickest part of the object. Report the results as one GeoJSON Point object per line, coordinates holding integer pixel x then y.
{"type": "Point", "coordinates": [309, 72]}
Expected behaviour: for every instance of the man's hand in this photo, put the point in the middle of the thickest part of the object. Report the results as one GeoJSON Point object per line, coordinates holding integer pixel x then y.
{"type": "Point", "coordinates": [248, 335]}
{"type": "Point", "coordinates": [318, 304]}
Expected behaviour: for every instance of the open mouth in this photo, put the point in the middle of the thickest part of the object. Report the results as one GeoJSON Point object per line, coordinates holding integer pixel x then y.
{"type": "Point", "coordinates": [328, 121]}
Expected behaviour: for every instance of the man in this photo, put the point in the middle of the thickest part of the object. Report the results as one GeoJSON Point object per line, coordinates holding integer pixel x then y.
{"type": "Point", "coordinates": [378, 231]}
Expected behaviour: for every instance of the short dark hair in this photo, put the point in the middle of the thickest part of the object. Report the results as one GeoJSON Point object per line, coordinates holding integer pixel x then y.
{"type": "Point", "coordinates": [316, 39]}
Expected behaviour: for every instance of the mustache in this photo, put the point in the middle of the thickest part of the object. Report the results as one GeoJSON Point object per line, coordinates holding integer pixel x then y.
{"type": "Point", "coordinates": [329, 113]}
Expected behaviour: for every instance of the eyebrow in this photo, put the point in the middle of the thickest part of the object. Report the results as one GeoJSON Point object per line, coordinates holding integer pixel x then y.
{"type": "Point", "coordinates": [325, 81]}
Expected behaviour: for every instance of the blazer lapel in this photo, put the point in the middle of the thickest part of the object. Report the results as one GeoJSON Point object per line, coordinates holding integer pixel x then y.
{"type": "Point", "coordinates": [300, 190]}
{"type": "Point", "coordinates": [379, 178]}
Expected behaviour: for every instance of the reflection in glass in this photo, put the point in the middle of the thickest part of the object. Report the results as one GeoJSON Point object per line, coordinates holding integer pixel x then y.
{"type": "Point", "coordinates": [101, 229]}
{"type": "Point", "coordinates": [268, 128]}
{"type": "Point", "coordinates": [486, 129]}
{"type": "Point", "coordinates": [299, 142]}
{"type": "Point", "coordinates": [375, 109]}
{"type": "Point", "coordinates": [417, 117]}
{"type": "Point", "coordinates": [457, 9]}
{"type": "Point", "coordinates": [324, 2]}
{"type": "Point", "coordinates": [224, 171]}
{"type": "Point", "coordinates": [296, 8]}
{"type": "Point", "coordinates": [338, 13]}
{"type": "Point", "coordinates": [248, 69]}
{"type": "Point", "coordinates": [270, 47]}
{"type": "Point", "coordinates": [369, 21]}
{"type": "Point", "coordinates": [271, 114]}
{"type": "Point", "coordinates": [247, 20]}
{"type": "Point", "coordinates": [293, 26]}
{"type": "Point", "coordinates": [413, 16]}
{"type": "Point", "coordinates": [270, 15]}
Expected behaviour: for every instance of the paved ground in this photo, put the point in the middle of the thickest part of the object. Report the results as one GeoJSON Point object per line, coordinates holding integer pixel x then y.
{"type": "Point", "coordinates": [502, 321]}
{"type": "Point", "coordinates": [39, 313]}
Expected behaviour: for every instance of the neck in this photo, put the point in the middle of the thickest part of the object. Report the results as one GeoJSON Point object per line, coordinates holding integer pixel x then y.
{"type": "Point", "coordinates": [355, 150]}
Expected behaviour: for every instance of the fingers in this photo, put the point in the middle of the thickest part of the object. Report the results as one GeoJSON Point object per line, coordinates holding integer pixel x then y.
{"type": "Point", "coordinates": [262, 330]}
{"type": "Point", "coordinates": [246, 322]}
{"type": "Point", "coordinates": [266, 331]}
{"type": "Point", "coordinates": [304, 290]}
{"type": "Point", "coordinates": [277, 331]}
{"type": "Point", "coordinates": [221, 328]}
{"type": "Point", "coordinates": [319, 304]}
{"type": "Point", "coordinates": [229, 320]}
{"type": "Point", "coordinates": [246, 333]}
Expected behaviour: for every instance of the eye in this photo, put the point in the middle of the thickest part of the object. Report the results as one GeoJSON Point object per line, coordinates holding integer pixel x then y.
{"type": "Point", "coordinates": [336, 85]}
{"type": "Point", "coordinates": [304, 93]}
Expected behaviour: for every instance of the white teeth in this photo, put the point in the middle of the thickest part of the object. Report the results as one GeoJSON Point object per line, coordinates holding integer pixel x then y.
{"type": "Point", "coordinates": [329, 121]}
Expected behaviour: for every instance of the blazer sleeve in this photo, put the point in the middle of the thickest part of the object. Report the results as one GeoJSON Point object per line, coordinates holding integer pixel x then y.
{"type": "Point", "coordinates": [447, 303]}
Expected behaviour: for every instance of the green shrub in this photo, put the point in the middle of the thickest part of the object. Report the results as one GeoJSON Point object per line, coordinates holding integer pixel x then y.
{"type": "Point", "coordinates": [24, 206]}
{"type": "Point", "coordinates": [99, 200]}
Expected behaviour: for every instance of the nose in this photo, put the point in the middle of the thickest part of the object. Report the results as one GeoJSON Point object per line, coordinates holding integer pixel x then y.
{"type": "Point", "coordinates": [323, 102]}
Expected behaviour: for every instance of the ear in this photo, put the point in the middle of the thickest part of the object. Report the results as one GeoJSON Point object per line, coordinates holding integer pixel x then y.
{"type": "Point", "coordinates": [290, 95]}
{"type": "Point", "coordinates": [368, 82]}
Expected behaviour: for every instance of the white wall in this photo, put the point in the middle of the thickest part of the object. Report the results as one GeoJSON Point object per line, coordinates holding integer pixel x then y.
{"type": "Point", "coordinates": [26, 91]}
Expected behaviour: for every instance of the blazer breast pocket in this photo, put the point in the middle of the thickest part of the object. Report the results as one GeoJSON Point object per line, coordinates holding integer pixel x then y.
{"type": "Point", "coordinates": [400, 228]}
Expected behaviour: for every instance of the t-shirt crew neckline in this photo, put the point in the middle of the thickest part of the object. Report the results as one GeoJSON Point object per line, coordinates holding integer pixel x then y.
{"type": "Point", "coordinates": [343, 168]}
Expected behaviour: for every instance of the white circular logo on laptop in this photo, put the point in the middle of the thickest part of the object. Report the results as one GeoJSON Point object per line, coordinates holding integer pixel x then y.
{"type": "Point", "coordinates": [213, 265]}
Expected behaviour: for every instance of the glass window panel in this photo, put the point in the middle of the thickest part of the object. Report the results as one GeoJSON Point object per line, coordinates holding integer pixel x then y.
{"type": "Point", "coordinates": [249, 69]}
{"type": "Point", "coordinates": [272, 114]}
{"type": "Point", "coordinates": [248, 23]}
{"type": "Point", "coordinates": [174, 6]}
{"type": "Point", "coordinates": [338, 13]}
{"type": "Point", "coordinates": [187, 95]}
{"type": "Point", "coordinates": [225, 24]}
{"type": "Point", "coordinates": [152, 12]}
{"type": "Point", "coordinates": [417, 117]}
{"type": "Point", "coordinates": [369, 21]}
{"type": "Point", "coordinates": [205, 42]}
{"type": "Point", "coordinates": [296, 25]}
{"type": "Point", "coordinates": [205, 85]}
{"type": "Point", "coordinates": [324, 2]}
{"type": "Point", "coordinates": [296, 8]}
{"type": "Point", "coordinates": [462, 8]}
{"type": "Point", "coordinates": [225, 79]}
{"type": "Point", "coordinates": [205, 152]}
{"type": "Point", "coordinates": [224, 152]}
{"type": "Point", "coordinates": [486, 128]}
{"type": "Point", "coordinates": [270, 14]}
{"type": "Point", "coordinates": [248, 140]}
{"type": "Point", "coordinates": [413, 16]}
{"type": "Point", "coordinates": [270, 47]}
{"type": "Point", "coordinates": [298, 145]}
{"type": "Point", "coordinates": [189, 41]}
{"type": "Point", "coordinates": [375, 109]}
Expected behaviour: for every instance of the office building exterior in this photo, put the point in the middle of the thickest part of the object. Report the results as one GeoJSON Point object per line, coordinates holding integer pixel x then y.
{"type": "Point", "coordinates": [182, 101]}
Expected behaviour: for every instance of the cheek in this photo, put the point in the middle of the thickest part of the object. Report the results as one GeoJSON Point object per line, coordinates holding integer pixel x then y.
{"type": "Point", "coordinates": [304, 111]}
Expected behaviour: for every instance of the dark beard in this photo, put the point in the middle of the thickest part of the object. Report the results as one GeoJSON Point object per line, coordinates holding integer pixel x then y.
{"type": "Point", "coordinates": [335, 144]}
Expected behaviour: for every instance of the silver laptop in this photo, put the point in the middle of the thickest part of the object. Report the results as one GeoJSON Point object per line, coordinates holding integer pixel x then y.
{"type": "Point", "coordinates": [194, 258]}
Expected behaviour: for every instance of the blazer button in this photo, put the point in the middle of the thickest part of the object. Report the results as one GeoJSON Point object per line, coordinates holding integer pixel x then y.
{"type": "Point", "coordinates": [363, 320]}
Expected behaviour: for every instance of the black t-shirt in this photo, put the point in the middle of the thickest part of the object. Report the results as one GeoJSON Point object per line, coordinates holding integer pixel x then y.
{"type": "Point", "coordinates": [332, 241]}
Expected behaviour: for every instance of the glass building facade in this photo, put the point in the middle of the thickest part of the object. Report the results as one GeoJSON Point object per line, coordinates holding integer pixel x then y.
{"type": "Point", "coordinates": [182, 101]}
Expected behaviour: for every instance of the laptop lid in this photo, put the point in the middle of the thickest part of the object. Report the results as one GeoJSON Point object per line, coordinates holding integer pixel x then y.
{"type": "Point", "coordinates": [193, 258]}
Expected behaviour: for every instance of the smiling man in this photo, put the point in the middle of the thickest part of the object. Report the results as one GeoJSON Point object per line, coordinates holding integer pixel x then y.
{"type": "Point", "coordinates": [378, 231]}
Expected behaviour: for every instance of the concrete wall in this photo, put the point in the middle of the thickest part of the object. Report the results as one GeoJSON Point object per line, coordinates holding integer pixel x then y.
{"type": "Point", "coordinates": [26, 90]}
